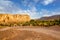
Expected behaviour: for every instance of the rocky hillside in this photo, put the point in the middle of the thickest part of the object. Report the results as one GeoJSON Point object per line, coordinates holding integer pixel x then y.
{"type": "Point", "coordinates": [14, 18]}
{"type": "Point", "coordinates": [54, 17]}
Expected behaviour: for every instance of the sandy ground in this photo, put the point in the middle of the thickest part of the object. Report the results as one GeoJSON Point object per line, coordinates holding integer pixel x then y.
{"type": "Point", "coordinates": [17, 33]}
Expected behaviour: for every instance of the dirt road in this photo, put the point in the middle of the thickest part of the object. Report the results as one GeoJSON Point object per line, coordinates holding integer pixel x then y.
{"type": "Point", "coordinates": [53, 33]}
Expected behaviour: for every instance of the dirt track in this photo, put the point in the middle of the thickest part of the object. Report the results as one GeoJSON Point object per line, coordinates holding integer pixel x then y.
{"type": "Point", "coordinates": [53, 34]}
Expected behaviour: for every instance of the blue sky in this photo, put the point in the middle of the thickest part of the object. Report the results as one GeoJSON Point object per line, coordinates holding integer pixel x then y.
{"type": "Point", "coordinates": [34, 8]}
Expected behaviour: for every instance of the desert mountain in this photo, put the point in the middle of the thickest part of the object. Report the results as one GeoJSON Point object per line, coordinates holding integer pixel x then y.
{"type": "Point", "coordinates": [54, 17]}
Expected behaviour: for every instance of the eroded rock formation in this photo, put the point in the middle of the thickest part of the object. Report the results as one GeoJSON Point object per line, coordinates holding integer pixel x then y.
{"type": "Point", "coordinates": [14, 18]}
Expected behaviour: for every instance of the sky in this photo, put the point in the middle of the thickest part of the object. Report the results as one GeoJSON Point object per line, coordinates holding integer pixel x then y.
{"type": "Point", "coordinates": [34, 8]}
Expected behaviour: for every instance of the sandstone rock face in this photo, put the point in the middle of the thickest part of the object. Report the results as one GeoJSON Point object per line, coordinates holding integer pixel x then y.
{"type": "Point", "coordinates": [14, 18]}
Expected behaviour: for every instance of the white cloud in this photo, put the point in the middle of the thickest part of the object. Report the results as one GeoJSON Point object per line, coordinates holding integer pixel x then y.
{"type": "Point", "coordinates": [1, 7]}
{"type": "Point", "coordinates": [47, 13]}
{"type": "Point", "coordinates": [7, 6]}
{"type": "Point", "coordinates": [55, 13]}
{"type": "Point", "coordinates": [46, 2]}
{"type": "Point", "coordinates": [32, 12]}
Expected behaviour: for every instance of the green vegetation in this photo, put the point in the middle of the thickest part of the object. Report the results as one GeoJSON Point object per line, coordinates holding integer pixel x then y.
{"type": "Point", "coordinates": [34, 23]}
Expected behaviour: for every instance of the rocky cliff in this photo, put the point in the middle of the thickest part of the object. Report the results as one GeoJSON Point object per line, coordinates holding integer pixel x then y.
{"type": "Point", "coordinates": [14, 18]}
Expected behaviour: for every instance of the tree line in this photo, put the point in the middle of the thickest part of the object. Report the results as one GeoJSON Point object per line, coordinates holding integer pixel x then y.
{"type": "Point", "coordinates": [34, 23]}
